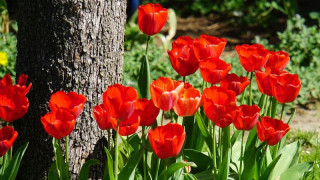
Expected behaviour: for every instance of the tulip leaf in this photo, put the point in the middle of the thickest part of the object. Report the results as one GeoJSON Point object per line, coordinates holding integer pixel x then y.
{"type": "Point", "coordinates": [53, 174]}
{"type": "Point", "coordinates": [235, 137]}
{"type": "Point", "coordinates": [251, 137]}
{"type": "Point", "coordinates": [108, 170]}
{"type": "Point", "coordinates": [266, 173]}
{"type": "Point", "coordinates": [296, 172]}
{"type": "Point", "coordinates": [129, 169]}
{"type": "Point", "coordinates": [202, 161]}
{"type": "Point", "coordinates": [249, 159]}
{"type": "Point", "coordinates": [283, 140]}
{"type": "Point", "coordinates": [204, 130]}
{"type": "Point", "coordinates": [288, 156]}
{"type": "Point", "coordinates": [173, 168]}
{"type": "Point", "coordinates": [224, 168]}
{"type": "Point", "coordinates": [134, 141]}
{"type": "Point", "coordinates": [60, 163]}
{"type": "Point", "coordinates": [11, 171]}
{"type": "Point", "coordinates": [84, 172]}
{"type": "Point", "coordinates": [208, 174]}
{"type": "Point", "coordinates": [190, 176]}
{"type": "Point", "coordinates": [144, 78]}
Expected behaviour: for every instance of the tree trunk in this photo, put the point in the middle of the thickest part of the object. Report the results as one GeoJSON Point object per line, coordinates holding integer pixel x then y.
{"type": "Point", "coordinates": [69, 45]}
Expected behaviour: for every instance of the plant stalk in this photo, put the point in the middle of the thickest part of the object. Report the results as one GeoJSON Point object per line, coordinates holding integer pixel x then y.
{"type": "Point", "coordinates": [214, 153]}
{"type": "Point", "coordinates": [67, 151]}
{"type": "Point", "coordinates": [116, 153]}
{"type": "Point", "coordinates": [157, 169]}
{"type": "Point", "coordinates": [148, 39]}
{"type": "Point", "coordinates": [143, 153]}
{"type": "Point", "coordinates": [241, 155]}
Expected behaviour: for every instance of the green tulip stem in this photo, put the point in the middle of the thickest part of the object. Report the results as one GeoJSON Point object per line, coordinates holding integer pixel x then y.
{"type": "Point", "coordinates": [214, 153]}
{"type": "Point", "coordinates": [162, 118]}
{"type": "Point", "coordinates": [157, 169]}
{"type": "Point", "coordinates": [270, 107]}
{"type": "Point", "coordinates": [243, 95]}
{"type": "Point", "coordinates": [241, 155]}
{"type": "Point", "coordinates": [220, 147]}
{"type": "Point", "coordinates": [148, 39]}
{"type": "Point", "coordinates": [282, 111]}
{"type": "Point", "coordinates": [165, 169]}
{"type": "Point", "coordinates": [4, 164]}
{"type": "Point", "coordinates": [184, 78]}
{"type": "Point", "coordinates": [250, 90]}
{"type": "Point", "coordinates": [143, 153]}
{"type": "Point", "coordinates": [67, 151]}
{"type": "Point", "coordinates": [116, 153]}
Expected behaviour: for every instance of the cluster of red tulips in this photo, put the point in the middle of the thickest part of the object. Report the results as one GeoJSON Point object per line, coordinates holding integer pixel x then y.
{"type": "Point", "coordinates": [123, 110]}
{"type": "Point", "coordinates": [13, 105]}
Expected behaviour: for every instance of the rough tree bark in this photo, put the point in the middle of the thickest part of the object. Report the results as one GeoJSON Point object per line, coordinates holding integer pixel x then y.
{"type": "Point", "coordinates": [70, 45]}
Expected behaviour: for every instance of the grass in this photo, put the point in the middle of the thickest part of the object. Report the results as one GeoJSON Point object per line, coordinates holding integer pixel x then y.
{"type": "Point", "coordinates": [310, 150]}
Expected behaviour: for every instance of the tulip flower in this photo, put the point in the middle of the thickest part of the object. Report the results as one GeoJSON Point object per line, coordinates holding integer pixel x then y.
{"type": "Point", "coordinates": [7, 137]}
{"type": "Point", "coordinates": [188, 102]}
{"type": "Point", "coordinates": [252, 57]}
{"type": "Point", "coordinates": [151, 18]}
{"type": "Point", "coordinates": [182, 57]}
{"type": "Point", "coordinates": [235, 83]}
{"type": "Point", "coordinates": [59, 123]}
{"type": "Point", "coordinates": [102, 117]}
{"type": "Point", "coordinates": [218, 103]}
{"type": "Point", "coordinates": [208, 47]}
{"type": "Point", "coordinates": [264, 82]}
{"type": "Point", "coordinates": [13, 104]}
{"type": "Point", "coordinates": [165, 92]}
{"type": "Point", "coordinates": [277, 61]}
{"type": "Point", "coordinates": [147, 111]}
{"type": "Point", "coordinates": [245, 117]}
{"type": "Point", "coordinates": [167, 141]}
{"type": "Point", "coordinates": [271, 130]}
{"type": "Point", "coordinates": [286, 87]}
{"type": "Point", "coordinates": [71, 100]}
{"type": "Point", "coordinates": [213, 70]}
{"type": "Point", "coordinates": [21, 87]}
{"type": "Point", "coordinates": [119, 101]}
{"type": "Point", "coordinates": [128, 126]}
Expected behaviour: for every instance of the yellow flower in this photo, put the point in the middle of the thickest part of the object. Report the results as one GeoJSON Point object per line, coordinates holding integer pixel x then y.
{"type": "Point", "coordinates": [3, 58]}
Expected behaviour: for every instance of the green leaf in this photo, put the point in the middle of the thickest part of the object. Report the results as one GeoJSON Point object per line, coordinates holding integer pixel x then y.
{"type": "Point", "coordinates": [202, 161]}
{"type": "Point", "coordinates": [175, 167]}
{"type": "Point", "coordinates": [84, 172]}
{"type": "Point", "coordinates": [283, 140]}
{"type": "Point", "coordinates": [208, 174]}
{"type": "Point", "coordinates": [266, 173]}
{"type": "Point", "coordinates": [288, 154]}
{"type": "Point", "coordinates": [134, 142]}
{"type": "Point", "coordinates": [128, 171]}
{"type": "Point", "coordinates": [249, 160]}
{"type": "Point", "coordinates": [144, 78]}
{"type": "Point", "coordinates": [60, 163]}
{"type": "Point", "coordinates": [108, 170]}
{"type": "Point", "coordinates": [11, 171]}
{"type": "Point", "coordinates": [296, 172]}
{"type": "Point", "coordinates": [235, 137]}
{"type": "Point", "coordinates": [224, 168]}
{"type": "Point", "coordinates": [53, 174]}
{"type": "Point", "coordinates": [204, 130]}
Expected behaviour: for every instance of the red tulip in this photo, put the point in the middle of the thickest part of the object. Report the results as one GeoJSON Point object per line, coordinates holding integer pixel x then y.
{"type": "Point", "coordinates": [167, 141]}
{"type": "Point", "coordinates": [71, 100]}
{"type": "Point", "coordinates": [182, 57]}
{"type": "Point", "coordinates": [128, 126]}
{"type": "Point", "coordinates": [235, 83]}
{"type": "Point", "coordinates": [21, 87]}
{"type": "Point", "coordinates": [277, 61]}
{"type": "Point", "coordinates": [13, 104]}
{"type": "Point", "coordinates": [101, 116]}
{"type": "Point", "coordinates": [188, 102]}
{"type": "Point", "coordinates": [264, 82]}
{"type": "Point", "coordinates": [59, 123]}
{"type": "Point", "coordinates": [218, 103]}
{"type": "Point", "coordinates": [213, 70]}
{"type": "Point", "coordinates": [151, 18]}
{"type": "Point", "coordinates": [165, 92]}
{"type": "Point", "coordinates": [208, 46]}
{"type": "Point", "coordinates": [252, 57]}
{"type": "Point", "coordinates": [271, 130]}
{"type": "Point", "coordinates": [286, 87]}
{"type": "Point", "coordinates": [7, 137]}
{"type": "Point", "coordinates": [245, 117]}
{"type": "Point", "coordinates": [147, 111]}
{"type": "Point", "coordinates": [119, 101]}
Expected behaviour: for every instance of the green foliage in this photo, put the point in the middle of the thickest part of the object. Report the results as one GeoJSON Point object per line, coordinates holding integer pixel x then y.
{"type": "Point", "coordinates": [303, 45]}
{"type": "Point", "coordinates": [8, 43]}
